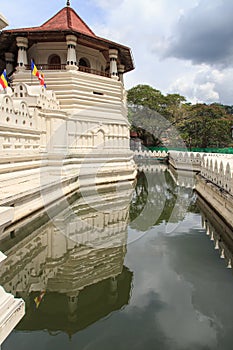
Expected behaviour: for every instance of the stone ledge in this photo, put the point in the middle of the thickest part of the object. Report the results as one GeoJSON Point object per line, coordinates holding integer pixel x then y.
{"type": "Point", "coordinates": [11, 312]}
{"type": "Point", "coordinates": [6, 216]}
{"type": "Point", "coordinates": [220, 201]}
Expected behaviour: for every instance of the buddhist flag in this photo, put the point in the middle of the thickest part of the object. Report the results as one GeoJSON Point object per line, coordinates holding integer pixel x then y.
{"type": "Point", "coordinates": [42, 82]}
{"type": "Point", "coordinates": [38, 299]}
{"type": "Point", "coordinates": [3, 80]}
{"type": "Point", "coordinates": [37, 74]}
{"type": "Point", "coordinates": [34, 70]}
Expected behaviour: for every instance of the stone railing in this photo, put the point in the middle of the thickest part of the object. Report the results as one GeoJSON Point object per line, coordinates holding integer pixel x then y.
{"type": "Point", "coordinates": [186, 160]}
{"type": "Point", "coordinates": [219, 170]}
{"type": "Point", "coordinates": [193, 161]}
{"type": "Point", "coordinates": [150, 154]}
{"type": "Point", "coordinates": [214, 167]}
{"type": "Point", "coordinates": [152, 168]}
{"type": "Point", "coordinates": [45, 67]}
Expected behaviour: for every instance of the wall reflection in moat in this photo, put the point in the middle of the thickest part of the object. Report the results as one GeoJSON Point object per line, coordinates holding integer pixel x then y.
{"type": "Point", "coordinates": [70, 270]}
{"type": "Point", "coordinates": [169, 291]}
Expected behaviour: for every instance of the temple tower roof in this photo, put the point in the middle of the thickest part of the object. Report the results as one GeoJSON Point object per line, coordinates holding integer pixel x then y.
{"type": "Point", "coordinates": [64, 22]}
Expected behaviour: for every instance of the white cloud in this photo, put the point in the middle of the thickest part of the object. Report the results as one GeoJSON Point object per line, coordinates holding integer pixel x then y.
{"type": "Point", "coordinates": [205, 84]}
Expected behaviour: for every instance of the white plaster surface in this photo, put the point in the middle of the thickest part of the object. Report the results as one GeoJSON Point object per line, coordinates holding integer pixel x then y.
{"type": "Point", "coordinates": [6, 216]}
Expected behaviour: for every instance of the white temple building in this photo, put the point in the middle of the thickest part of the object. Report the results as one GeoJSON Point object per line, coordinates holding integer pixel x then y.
{"type": "Point", "coordinates": [66, 137]}
{"type": "Point", "coordinates": [72, 134]}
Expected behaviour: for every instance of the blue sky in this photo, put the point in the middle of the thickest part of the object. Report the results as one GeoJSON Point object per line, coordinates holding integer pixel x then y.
{"type": "Point", "coordinates": [178, 46]}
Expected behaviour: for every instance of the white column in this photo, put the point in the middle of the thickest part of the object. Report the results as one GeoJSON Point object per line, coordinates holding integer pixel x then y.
{"type": "Point", "coordinates": [113, 54]}
{"type": "Point", "coordinates": [22, 44]}
{"type": "Point", "coordinates": [71, 41]}
{"type": "Point", "coordinates": [9, 57]}
{"type": "Point", "coordinates": [121, 70]}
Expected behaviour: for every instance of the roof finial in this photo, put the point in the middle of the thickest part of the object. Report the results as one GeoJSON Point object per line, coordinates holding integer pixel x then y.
{"type": "Point", "coordinates": [68, 3]}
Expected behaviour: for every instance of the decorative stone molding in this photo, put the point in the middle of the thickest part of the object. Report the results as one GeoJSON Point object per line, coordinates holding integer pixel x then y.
{"type": "Point", "coordinates": [150, 154]}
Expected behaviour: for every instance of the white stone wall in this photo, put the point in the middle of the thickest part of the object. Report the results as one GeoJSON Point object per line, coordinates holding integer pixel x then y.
{"type": "Point", "coordinates": [50, 147]}
{"type": "Point", "coordinates": [95, 106]}
{"type": "Point", "coordinates": [214, 167]}
{"type": "Point", "coordinates": [219, 170]}
{"type": "Point", "coordinates": [186, 160]}
{"type": "Point", "coordinates": [24, 119]}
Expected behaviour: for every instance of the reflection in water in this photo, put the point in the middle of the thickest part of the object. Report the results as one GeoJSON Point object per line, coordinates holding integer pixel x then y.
{"type": "Point", "coordinates": [70, 270]}
{"type": "Point", "coordinates": [218, 231]}
{"type": "Point", "coordinates": [177, 297]}
{"type": "Point", "coordinates": [158, 199]}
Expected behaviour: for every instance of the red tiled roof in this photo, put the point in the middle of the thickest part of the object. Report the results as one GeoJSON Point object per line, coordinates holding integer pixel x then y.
{"type": "Point", "coordinates": [65, 19]}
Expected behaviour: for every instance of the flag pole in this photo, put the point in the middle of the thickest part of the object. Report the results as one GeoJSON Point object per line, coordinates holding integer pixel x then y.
{"type": "Point", "coordinates": [31, 72]}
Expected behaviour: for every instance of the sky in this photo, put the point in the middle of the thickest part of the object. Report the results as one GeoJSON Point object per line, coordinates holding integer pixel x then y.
{"type": "Point", "coordinates": [179, 46]}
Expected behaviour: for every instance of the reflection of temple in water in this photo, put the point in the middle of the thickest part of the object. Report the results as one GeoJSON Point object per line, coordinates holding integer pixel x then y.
{"type": "Point", "coordinates": [72, 265]}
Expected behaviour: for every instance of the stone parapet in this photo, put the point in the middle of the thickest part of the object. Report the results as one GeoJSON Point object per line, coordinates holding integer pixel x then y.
{"type": "Point", "coordinates": [220, 201]}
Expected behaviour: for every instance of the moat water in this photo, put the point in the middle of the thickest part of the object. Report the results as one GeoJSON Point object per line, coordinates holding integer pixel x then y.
{"type": "Point", "coordinates": [123, 269]}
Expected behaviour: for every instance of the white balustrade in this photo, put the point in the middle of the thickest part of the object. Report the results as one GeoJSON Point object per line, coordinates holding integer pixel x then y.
{"type": "Point", "coordinates": [215, 167]}
{"type": "Point", "coordinates": [150, 154]}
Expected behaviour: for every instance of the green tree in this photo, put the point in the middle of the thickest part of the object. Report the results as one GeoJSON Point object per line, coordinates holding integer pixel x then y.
{"type": "Point", "coordinates": [206, 126]}
{"type": "Point", "coordinates": [146, 106]}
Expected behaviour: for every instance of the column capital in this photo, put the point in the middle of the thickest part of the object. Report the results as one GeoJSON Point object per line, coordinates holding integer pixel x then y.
{"type": "Point", "coordinates": [113, 53]}
{"type": "Point", "coordinates": [121, 68]}
{"type": "Point", "coordinates": [22, 42]}
{"type": "Point", "coordinates": [71, 39]}
{"type": "Point", "coordinates": [9, 57]}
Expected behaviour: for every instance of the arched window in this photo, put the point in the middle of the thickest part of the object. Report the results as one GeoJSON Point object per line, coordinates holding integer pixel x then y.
{"type": "Point", "coordinates": [83, 62]}
{"type": "Point", "coordinates": [54, 62]}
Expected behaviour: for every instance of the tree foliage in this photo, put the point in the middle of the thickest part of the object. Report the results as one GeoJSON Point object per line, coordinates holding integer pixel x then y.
{"type": "Point", "coordinates": [154, 117]}
{"type": "Point", "coordinates": [207, 126]}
